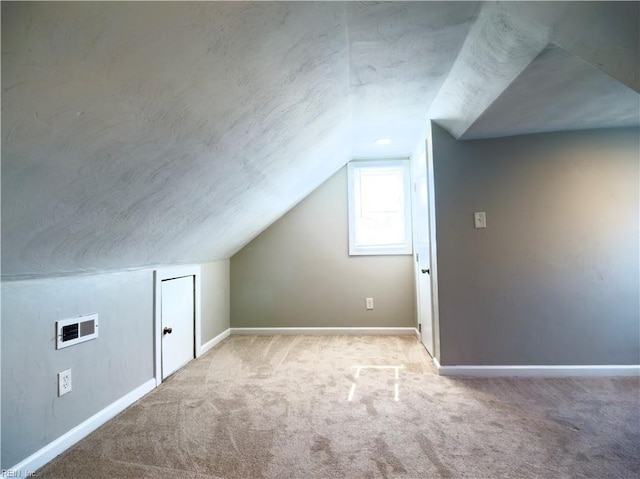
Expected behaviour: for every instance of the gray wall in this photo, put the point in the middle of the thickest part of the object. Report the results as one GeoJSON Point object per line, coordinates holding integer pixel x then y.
{"type": "Point", "coordinates": [214, 284]}
{"type": "Point", "coordinates": [104, 369]}
{"type": "Point", "coordinates": [298, 272]}
{"type": "Point", "coordinates": [554, 277]}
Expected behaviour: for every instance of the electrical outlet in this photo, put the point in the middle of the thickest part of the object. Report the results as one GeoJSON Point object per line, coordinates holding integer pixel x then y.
{"type": "Point", "coordinates": [64, 382]}
{"type": "Point", "coordinates": [369, 303]}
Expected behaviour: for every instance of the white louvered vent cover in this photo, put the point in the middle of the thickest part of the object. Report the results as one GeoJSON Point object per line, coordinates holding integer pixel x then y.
{"type": "Point", "coordinates": [76, 330]}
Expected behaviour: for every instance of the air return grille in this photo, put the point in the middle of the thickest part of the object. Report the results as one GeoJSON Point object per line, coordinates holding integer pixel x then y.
{"type": "Point", "coordinates": [76, 330]}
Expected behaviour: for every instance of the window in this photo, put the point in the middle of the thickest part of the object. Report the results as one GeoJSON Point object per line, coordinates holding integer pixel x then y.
{"type": "Point", "coordinates": [379, 207]}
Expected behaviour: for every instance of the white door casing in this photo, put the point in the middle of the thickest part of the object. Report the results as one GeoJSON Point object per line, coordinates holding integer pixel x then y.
{"type": "Point", "coordinates": [187, 290]}
{"type": "Point", "coordinates": [422, 256]}
{"type": "Point", "coordinates": [177, 315]}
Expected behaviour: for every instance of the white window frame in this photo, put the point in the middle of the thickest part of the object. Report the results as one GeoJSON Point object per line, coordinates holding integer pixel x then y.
{"type": "Point", "coordinates": [405, 248]}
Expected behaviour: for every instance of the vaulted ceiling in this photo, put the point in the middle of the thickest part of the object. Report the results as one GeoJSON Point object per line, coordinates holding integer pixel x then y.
{"type": "Point", "coordinates": [145, 133]}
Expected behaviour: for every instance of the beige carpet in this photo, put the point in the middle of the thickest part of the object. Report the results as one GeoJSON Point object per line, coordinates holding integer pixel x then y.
{"type": "Point", "coordinates": [278, 407]}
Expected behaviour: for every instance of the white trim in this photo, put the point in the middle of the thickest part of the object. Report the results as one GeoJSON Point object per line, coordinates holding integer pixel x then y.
{"type": "Point", "coordinates": [209, 345]}
{"type": "Point", "coordinates": [160, 275]}
{"type": "Point", "coordinates": [363, 331]}
{"type": "Point", "coordinates": [82, 430]}
{"type": "Point", "coordinates": [538, 371]}
{"type": "Point", "coordinates": [433, 243]}
{"type": "Point", "coordinates": [421, 246]}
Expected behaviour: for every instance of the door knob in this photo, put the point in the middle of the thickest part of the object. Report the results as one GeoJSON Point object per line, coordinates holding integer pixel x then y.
{"type": "Point", "coordinates": [167, 330]}
{"type": "Point", "coordinates": [425, 271]}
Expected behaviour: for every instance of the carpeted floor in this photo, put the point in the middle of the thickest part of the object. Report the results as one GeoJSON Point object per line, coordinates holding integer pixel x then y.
{"type": "Point", "coordinates": [300, 407]}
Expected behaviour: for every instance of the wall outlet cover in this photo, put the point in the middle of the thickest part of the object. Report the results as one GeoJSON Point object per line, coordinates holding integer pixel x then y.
{"type": "Point", "coordinates": [64, 382]}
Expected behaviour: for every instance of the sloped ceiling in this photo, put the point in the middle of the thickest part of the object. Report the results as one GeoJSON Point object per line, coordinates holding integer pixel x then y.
{"type": "Point", "coordinates": [507, 37]}
{"type": "Point", "coordinates": [144, 133]}
{"type": "Point", "coordinates": [558, 91]}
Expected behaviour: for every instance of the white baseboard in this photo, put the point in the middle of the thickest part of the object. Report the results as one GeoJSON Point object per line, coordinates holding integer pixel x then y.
{"type": "Point", "coordinates": [538, 371]}
{"type": "Point", "coordinates": [27, 467]}
{"type": "Point", "coordinates": [319, 331]}
{"type": "Point", "coordinates": [209, 345]}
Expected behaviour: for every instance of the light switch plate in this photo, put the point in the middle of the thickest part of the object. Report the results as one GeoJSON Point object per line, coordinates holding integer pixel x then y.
{"type": "Point", "coordinates": [369, 303]}
{"type": "Point", "coordinates": [480, 219]}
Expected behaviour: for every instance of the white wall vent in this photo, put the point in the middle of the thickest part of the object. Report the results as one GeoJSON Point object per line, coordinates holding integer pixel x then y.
{"type": "Point", "coordinates": [76, 330]}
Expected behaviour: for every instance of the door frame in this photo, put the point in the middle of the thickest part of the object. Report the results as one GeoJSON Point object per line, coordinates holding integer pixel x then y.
{"type": "Point", "coordinates": [431, 203]}
{"type": "Point", "coordinates": [426, 146]}
{"type": "Point", "coordinates": [419, 161]}
{"type": "Point", "coordinates": [160, 275]}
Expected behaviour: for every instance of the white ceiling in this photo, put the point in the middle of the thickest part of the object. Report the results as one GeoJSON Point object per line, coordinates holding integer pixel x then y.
{"type": "Point", "coordinates": [558, 92]}
{"type": "Point", "coordinates": [136, 134]}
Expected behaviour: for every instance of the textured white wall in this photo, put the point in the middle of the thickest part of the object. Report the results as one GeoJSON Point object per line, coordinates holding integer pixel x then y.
{"type": "Point", "coordinates": [137, 134]}
{"type": "Point", "coordinates": [508, 36]}
{"type": "Point", "coordinates": [549, 95]}
{"type": "Point", "coordinates": [140, 134]}
{"type": "Point", "coordinates": [144, 133]}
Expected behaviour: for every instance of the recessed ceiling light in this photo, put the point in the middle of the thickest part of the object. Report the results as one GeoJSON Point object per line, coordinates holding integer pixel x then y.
{"type": "Point", "coordinates": [383, 141]}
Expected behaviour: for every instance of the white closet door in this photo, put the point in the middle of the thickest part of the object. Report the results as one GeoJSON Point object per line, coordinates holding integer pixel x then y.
{"type": "Point", "coordinates": [178, 330]}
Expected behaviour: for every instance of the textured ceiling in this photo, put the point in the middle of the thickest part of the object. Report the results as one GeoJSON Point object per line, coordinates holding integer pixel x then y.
{"type": "Point", "coordinates": [399, 55]}
{"type": "Point", "coordinates": [508, 38]}
{"type": "Point", "coordinates": [556, 92]}
{"type": "Point", "coordinates": [144, 133]}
